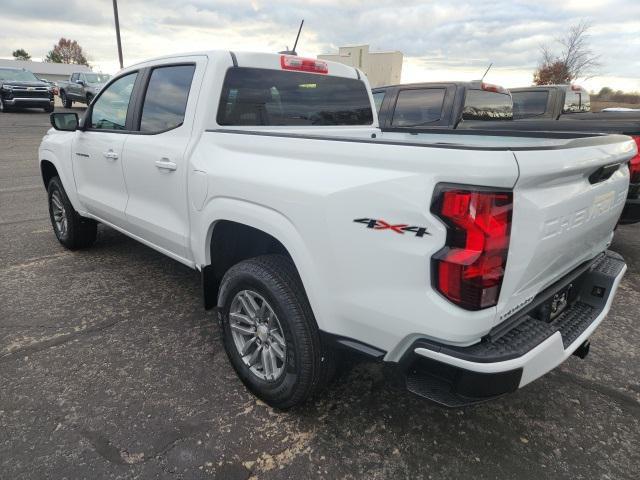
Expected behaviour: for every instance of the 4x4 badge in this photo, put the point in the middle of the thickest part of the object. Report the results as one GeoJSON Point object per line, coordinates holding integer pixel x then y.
{"type": "Point", "coordinates": [401, 228]}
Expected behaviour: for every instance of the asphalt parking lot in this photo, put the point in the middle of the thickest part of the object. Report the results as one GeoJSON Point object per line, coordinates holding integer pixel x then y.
{"type": "Point", "coordinates": [110, 368]}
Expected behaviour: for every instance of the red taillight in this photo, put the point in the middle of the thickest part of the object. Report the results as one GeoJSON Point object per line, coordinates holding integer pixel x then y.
{"type": "Point", "coordinates": [634, 165]}
{"type": "Point", "coordinates": [288, 62]}
{"type": "Point", "coordinates": [470, 268]}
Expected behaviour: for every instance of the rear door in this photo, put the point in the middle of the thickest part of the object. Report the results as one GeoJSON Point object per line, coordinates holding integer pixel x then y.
{"type": "Point", "coordinates": [97, 152]}
{"type": "Point", "coordinates": [564, 213]}
{"type": "Point", "coordinates": [155, 166]}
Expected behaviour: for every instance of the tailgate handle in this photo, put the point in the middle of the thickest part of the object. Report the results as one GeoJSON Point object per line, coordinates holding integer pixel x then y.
{"type": "Point", "coordinates": [603, 173]}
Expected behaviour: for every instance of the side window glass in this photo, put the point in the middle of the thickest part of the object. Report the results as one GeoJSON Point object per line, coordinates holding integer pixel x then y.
{"type": "Point", "coordinates": [74, 77]}
{"type": "Point", "coordinates": [110, 109]}
{"type": "Point", "coordinates": [166, 98]}
{"type": "Point", "coordinates": [418, 107]}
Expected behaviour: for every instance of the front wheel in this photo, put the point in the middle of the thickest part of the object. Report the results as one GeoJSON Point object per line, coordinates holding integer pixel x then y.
{"type": "Point", "coordinates": [72, 230]}
{"type": "Point", "coordinates": [66, 101]}
{"type": "Point", "coordinates": [270, 333]}
{"type": "Point", "coordinates": [48, 109]}
{"type": "Point", "coordinates": [3, 106]}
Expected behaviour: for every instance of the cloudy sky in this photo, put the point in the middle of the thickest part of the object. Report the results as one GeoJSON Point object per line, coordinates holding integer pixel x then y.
{"type": "Point", "coordinates": [441, 39]}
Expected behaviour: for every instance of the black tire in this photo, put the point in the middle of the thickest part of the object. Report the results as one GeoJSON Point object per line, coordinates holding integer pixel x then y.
{"type": "Point", "coordinates": [89, 98]}
{"type": "Point", "coordinates": [3, 107]}
{"type": "Point", "coordinates": [80, 232]}
{"type": "Point", "coordinates": [48, 109]}
{"type": "Point", "coordinates": [308, 363]}
{"type": "Point", "coordinates": [66, 102]}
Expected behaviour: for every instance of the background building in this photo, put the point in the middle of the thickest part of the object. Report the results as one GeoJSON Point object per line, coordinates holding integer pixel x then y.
{"type": "Point", "coordinates": [51, 71]}
{"type": "Point", "coordinates": [381, 68]}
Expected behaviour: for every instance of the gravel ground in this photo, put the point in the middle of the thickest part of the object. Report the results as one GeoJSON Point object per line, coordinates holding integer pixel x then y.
{"type": "Point", "coordinates": [109, 368]}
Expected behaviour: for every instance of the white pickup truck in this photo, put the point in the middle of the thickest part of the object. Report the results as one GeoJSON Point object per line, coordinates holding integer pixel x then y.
{"type": "Point", "coordinates": [470, 263]}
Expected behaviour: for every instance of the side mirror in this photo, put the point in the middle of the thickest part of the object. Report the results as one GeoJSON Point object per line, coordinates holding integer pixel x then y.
{"type": "Point", "coordinates": [80, 82]}
{"type": "Point", "coordinates": [66, 122]}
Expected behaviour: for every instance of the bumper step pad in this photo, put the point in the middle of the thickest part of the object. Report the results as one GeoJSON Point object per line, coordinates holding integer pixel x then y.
{"type": "Point", "coordinates": [444, 384]}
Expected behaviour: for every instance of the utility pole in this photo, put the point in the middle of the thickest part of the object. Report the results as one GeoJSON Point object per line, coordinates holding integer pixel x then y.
{"type": "Point", "coordinates": [115, 16]}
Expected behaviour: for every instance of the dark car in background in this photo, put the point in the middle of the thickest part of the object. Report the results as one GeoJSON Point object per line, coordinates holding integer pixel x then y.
{"type": "Point", "coordinates": [20, 88]}
{"type": "Point", "coordinates": [81, 87]}
{"type": "Point", "coordinates": [442, 105]}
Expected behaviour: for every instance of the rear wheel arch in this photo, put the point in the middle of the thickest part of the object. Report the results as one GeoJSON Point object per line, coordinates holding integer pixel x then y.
{"type": "Point", "coordinates": [232, 242]}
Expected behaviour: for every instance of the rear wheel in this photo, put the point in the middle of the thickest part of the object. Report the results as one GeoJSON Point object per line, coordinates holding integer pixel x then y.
{"type": "Point", "coordinates": [270, 333]}
{"type": "Point", "coordinates": [66, 102]}
{"type": "Point", "coordinates": [72, 230]}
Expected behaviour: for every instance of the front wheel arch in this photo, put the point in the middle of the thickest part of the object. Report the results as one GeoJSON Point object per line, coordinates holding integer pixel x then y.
{"type": "Point", "coordinates": [48, 171]}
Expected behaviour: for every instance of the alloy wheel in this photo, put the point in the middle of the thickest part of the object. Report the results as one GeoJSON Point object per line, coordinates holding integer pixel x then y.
{"type": "Point", "coordinates": [59, 213]}
{"type": "Point", "coordinates": [257, 335]}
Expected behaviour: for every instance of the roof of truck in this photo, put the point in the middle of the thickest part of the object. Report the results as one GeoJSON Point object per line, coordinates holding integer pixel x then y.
{"type": "Point", "coordinates": [422, 84]}
{"type": "Point", "coordinates": [547, 87]}
{"type": "Point", "coordinates": [258, 60]}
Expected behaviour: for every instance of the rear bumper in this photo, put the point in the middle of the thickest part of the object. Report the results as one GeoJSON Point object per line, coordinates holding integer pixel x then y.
{"type": "Point", "coordinates": [518, 351]}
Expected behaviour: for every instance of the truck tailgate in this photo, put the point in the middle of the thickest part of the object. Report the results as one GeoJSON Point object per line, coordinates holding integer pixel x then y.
{"type": "Point", "coordinates": [565, 210]}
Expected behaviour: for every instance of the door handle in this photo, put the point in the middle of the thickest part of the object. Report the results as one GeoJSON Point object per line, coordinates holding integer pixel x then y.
{"type": "Point", "coordinates": [166, 164]}
{"type": "Point", "coordinates": [111, 155]}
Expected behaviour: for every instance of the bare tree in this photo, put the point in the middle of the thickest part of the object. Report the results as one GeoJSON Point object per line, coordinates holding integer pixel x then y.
{"type": "Point", "coordinates": [577, 56]}
{"type": "Point", "coordinates": [576, 60]}
{"type": "Point", "coordinates": [67, 51]}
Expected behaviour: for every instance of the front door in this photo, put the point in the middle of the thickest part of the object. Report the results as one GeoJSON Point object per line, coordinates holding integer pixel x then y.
{"type": "Point", "coordinates": [98, 153]}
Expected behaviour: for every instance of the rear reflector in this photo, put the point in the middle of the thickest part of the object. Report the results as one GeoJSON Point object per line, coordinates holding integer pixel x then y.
{"type": "Point", "coordinates": [634, 164]}
{"type": "Point", "coordinates": [470, 268]}
{"type": "Point", "coordinates": [288, 62]}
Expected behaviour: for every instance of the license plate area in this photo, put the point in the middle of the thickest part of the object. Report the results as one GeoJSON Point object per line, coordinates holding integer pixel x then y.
{"type": "Point", "coordinates": [557, 303]}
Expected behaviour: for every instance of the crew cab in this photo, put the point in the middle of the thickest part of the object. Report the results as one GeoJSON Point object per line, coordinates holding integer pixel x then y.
{"type": "Point", "coordinates": [448, 105]}
{"type": "Point", "coordinates": [469, 264]}
{"type": "Point", "coordinates": [81, 87]}
{"type": "Point", "coordinates": [20, 88]}
{"type": "Point", "coordinates": [477, 105]}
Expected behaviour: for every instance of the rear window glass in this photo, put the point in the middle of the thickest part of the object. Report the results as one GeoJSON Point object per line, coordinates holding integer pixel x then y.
{"type": "Point", "coordinates": [418, 107]}
{"type": "Point", "coordinates": [256, 96]}
{"type": "Point", "coordinates": [529, 104]}
{"type": "Point", "coordinates": [484, 105]}
{"type": "Point", "coordinates": [576, 101]}
{"type": "Point", "coordinates": [378, 97]}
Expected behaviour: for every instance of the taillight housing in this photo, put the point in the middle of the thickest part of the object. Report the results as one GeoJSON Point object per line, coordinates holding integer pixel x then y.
{"type": "Point", "coordinates": [289, 62]}
{"type": "Point", "coordinates": [634, 165]}
{"type": "Point", "coordinates": [470, 268]}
